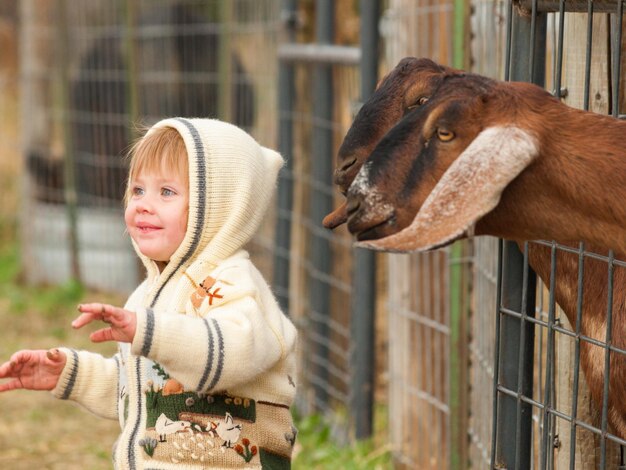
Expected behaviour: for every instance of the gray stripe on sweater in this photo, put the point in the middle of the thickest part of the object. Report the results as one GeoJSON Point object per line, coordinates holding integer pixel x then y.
{"type": "Point", "coordinates": [209, 359]}
{"type": "Point", "coordinates": [149, 333]}
{"type": "Point", "coordinates": [220, 357]}
{"type": "Point", "coordinates": [133, 436]}
{"type": "Point", "coordinates": [72, 380]}
{"type": "Point", "coordinates": [117, 366]}
{"type": "Point", "coordinates": [197, 233]}
{"type": "Point", "coordinates": [201, 194]}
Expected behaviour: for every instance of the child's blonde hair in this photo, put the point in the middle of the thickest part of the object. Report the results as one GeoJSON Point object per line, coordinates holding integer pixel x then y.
{"type": "Point", "coordinates": [162, 150]}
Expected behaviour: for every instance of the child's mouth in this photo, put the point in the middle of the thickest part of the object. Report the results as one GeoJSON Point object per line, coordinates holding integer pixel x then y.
{"type": "Point", "coordinates": [147, 228]}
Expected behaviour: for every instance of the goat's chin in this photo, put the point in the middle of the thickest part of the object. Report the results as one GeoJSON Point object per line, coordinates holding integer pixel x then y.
{"type": "Point", "coordinates": [374, 229]}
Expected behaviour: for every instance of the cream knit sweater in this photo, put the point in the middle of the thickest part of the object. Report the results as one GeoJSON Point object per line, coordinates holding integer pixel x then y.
{"type": "Point", "coordinates": [210, 375]}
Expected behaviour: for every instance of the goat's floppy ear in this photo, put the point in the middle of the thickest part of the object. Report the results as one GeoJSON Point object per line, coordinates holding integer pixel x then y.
{"type": "Point", "coordinates": [470, 188]}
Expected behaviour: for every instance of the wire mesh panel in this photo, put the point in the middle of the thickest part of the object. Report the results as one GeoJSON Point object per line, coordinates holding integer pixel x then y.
{"type": "Point", "coordinates": [94, 74]}
{"type": "Point", "coordinates": [485, 272]}
{"type": "Point", "coordinates": [419, 360]}
{"type": "Point", "coordinates": [321, 83]}
{"type": "Point", "coordinates": [320, 289]}
{"type": "Point", "coordinates": [487, 49]}
{"type": "Point", "coordinates": [420, 287]}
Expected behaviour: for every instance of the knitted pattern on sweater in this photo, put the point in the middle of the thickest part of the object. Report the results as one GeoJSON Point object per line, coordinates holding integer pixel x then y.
{"type": "Point", "coordinates": [209, 377]}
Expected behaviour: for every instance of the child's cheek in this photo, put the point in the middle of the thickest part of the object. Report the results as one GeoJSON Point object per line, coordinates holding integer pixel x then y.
{"type": "Point", "coordinates": [128, 217]}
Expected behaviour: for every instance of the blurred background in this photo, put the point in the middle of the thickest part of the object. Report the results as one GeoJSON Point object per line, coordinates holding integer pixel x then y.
{"type": "Point", "coordinates": [396, 351]}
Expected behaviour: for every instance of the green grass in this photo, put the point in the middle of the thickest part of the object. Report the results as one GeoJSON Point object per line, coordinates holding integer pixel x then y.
{"type": "Point", "coordinates": [318, 450]}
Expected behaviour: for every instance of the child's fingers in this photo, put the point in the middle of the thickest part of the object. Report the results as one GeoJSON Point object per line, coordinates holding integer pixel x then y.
{"type": "Point", "coordinates": [20, 358]}
{"type": "Point", "coordinates": [13, 367]}
{"type": "Point", "coordinates": [102, 335]}
{"type": "Point", "coordinates": [5, 370]}
{"type": "Point", "coordinates": [83, 319]}
{"type": "Point", "coordinates": [55, 356]}
{"type": "Point", "coordinates": [12, 385]}
{"type": "Point", "coordinates": [97, 311]}
{"type": "Point", "coordinates": [95, 308]}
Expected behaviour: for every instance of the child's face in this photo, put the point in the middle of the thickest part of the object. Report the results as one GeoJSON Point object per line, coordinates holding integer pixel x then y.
{"type": "Point", "coordinates": [156, 214]}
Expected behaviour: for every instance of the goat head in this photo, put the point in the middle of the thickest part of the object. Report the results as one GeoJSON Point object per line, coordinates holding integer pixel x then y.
{"type": "Point", "coordinates": [407, 87]}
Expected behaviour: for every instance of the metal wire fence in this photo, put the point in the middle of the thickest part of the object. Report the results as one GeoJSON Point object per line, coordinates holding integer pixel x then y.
{"type": "Point", "coordinates": [93, 74]}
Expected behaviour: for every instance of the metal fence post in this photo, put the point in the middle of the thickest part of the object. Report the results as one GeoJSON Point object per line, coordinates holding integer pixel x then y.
{"type": "Point", "coordinates": [71, 198]}
{"type": "Point", "coordinates": [132, 74]}
{"type": "Point", "coordinates": [225, 69]}
{"type": "Point", "coordinates": [458, 295]}
{"type": "Point", "coordinates": [363, 305]}
{"type": "Point", "coordinates": [286, 96]}
{"type": "Point", "coordinates": [513, 421]}
{"type": "Point", "coordinates": [321, 202]}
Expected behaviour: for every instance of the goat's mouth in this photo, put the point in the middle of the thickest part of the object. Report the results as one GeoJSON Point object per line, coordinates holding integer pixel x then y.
{"type": "Point", "coordinates": [372, 229]}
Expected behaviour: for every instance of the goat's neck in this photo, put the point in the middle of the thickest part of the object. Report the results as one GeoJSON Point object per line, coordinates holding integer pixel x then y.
{"type": "Point", "coordinates": [593, 324]}
{"type": "Point", "coordinates": [575, 190]}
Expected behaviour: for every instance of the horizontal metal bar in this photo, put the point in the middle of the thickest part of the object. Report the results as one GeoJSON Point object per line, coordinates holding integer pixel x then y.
{"type": "Point", "coordinates": [580, 6]}
{"type": "Point", "coordinates": [319, 54]}
{"type": "Point", "coordinates": [587, 254]}
{"type": "Point", "coordinates": [565, 331]}
{"type": "Point", "coordinates": [542, 406]}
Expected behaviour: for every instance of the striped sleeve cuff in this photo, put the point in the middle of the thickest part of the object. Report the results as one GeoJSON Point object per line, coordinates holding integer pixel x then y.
{"type": "Point", "coordinates": [67, 379]}
{"type": "Point", "coordinates": [144, 334]}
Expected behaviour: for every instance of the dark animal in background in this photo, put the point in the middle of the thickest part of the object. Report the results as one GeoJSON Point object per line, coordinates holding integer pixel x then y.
{"type": "Point", "coordinates": [178, 56]}
{"type": "Point", "coordinates": [508, 159]}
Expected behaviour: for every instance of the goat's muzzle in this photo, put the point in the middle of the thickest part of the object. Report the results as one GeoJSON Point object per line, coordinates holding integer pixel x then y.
{"type": "Point", "coordinates": [369, 217]}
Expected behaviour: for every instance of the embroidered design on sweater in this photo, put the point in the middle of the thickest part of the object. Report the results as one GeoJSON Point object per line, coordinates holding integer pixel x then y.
{"type": "Point", "coordinates": [187, 427]}
{"type": "Point", "coordinates": [165, 426]}
{"type": "Point", "coordinates": [206, 290]}
{"type": "Point", "coordinates": [227, 430]}
{"type": "Point", "coordinates": [246, 450]}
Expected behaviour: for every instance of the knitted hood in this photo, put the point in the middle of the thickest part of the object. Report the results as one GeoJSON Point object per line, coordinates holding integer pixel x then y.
{"type": "Point", "coordinates": [231, 181]}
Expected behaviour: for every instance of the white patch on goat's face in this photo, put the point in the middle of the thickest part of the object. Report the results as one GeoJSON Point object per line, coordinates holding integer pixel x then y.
{"type": "Point", "coordinates": [469, 189]}
{"type": "Point", "coordinates": [377, 209]}
{"type": "Point", "coordinates": [361, 180]}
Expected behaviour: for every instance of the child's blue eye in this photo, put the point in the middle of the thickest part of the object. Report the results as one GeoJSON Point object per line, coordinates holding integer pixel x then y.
{"type": "Point", "coordinates": [137, 191]}
{"type": "Point", "coordinates": [167, 192]}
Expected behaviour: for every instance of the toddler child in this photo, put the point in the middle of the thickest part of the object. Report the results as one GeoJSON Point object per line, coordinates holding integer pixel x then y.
{"type": "Point", "coordinates": [205, 372]}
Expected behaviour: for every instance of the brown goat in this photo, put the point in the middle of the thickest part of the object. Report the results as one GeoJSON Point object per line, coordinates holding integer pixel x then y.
{"type": "Point", "coordinates": [406, 87]}
{"type": "Point", "coordinates": [507, 159]}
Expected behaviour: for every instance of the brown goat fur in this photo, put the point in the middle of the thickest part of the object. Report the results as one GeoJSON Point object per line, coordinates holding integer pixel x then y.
{"type": "Point", "coordinates": [561, 132]}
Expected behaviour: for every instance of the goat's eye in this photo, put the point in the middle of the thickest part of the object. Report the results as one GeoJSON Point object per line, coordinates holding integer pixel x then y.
{"type": "Point", "coordinates": [421, 101]}
{"type": "Point", "coordinates": [445, 135]}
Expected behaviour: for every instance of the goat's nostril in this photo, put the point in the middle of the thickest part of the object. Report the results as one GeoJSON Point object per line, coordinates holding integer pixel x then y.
{"type": "Point", "coordinates": [347, 164]}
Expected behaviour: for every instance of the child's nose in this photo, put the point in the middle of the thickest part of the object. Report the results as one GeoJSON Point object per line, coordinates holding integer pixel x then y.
{"type": "Point", "coordinates": [145, 205]}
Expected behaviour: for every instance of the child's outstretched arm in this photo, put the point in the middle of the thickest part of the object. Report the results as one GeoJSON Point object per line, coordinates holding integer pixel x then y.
{"type": "Point", "coordinates": [32, 370]}
{"type": "Point", "coordinates": [122, 323]}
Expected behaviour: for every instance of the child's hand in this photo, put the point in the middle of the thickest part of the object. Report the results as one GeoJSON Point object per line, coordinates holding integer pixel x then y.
{"type": "Point", "coordinates": [123, 323]}
{"type": "Point", "coordinates": [33, 370]}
